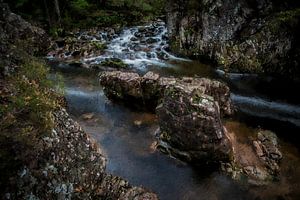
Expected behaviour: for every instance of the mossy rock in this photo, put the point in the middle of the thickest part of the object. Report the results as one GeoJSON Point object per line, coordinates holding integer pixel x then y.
{"type": "Point", "coordinates": [99, 45]}
{"type": "Point", "coordinates": [114, 63]}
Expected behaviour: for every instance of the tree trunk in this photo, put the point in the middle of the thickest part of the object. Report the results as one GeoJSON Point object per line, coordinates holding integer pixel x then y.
{"type": "Point", "coordinates": [57, 10]}
{"type": "Point", "coordinates": [47, 13]}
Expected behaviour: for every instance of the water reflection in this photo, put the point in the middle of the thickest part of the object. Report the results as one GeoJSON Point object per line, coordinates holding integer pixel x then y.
{"type": "Point", "coordinates": [127, 136]}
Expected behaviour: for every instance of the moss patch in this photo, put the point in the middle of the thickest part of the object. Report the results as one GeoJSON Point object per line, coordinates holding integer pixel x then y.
{"type": "Point", "coordinates": [114, 63]}
{"type": "Point", "coordinates": [284, 19]}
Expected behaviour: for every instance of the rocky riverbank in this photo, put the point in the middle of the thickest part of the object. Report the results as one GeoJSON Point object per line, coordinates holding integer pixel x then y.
{"type": "Point", "coordinates": [44, 153]}
{"type": "Point", "coordinates": [70, 165]}
{"type": "Point", "coordinates": [239, 36]}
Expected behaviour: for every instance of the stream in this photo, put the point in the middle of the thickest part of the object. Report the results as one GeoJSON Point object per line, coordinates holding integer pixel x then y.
{"type": "Point", "coordinates": [127, 136]}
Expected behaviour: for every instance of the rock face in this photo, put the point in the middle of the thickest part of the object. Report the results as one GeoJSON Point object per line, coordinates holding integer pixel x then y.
{"type": "Point", "coordinates": [242, 36]}
{"type": "Point", "coordinates": [146, 91]}
{"type": "Point", "coordinates": [70, 166]}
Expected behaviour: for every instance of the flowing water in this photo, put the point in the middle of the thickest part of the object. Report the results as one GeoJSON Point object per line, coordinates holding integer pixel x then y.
{"type": "Point", "coordinates": [127, 136]}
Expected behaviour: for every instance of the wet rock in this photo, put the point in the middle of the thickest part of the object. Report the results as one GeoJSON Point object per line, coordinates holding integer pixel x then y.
{"type": "Point", "coordinates": [189, 115]}
{"type": "Point", "coordinates": [162, 55]}
{"type": "Point", "coordinates": [152, 40]}
{"type": "Point", "coordinates": [122, 86]}
{"type": "Point", "coordinates": [267, 148]}
{"type": "Point", "coordinates": [138, 35]}
{"type": "Point", "coordinates": [81, 45]}
{"type": "Point", "coordinates": [138, 194]}
{"type": "Point", "coordinates": [88, 116]}
{"type": "Point", "coordinates": [254, 160]}
{"type": "Point", "coordinates": [134, 39]}
{"type": "Point", "coordinates": [114, 63]}
{"type": "Point", "coordinates": [190, 123]}
{"type": "Point", "coordinates": [189, 112]}
{"type": "Point", "coordinates": [75, 53]}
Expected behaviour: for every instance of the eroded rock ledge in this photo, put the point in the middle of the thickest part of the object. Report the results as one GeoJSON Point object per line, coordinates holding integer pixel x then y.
{"type": "Point", "coordinates": [70, 165]}
{"type": "Point", "coordinates": [190, 112]}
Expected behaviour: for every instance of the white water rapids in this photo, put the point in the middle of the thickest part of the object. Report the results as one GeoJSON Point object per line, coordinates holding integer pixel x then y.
{"type": "Point", "coordinates": [139, 47]}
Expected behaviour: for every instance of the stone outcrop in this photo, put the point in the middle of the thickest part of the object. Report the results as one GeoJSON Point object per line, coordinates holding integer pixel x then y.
{"type": "Point", "coordinates": [70, 165]}
{"type": "Point", "coordinates": [241, 36]}
{"type": "Point", "coordinates": [147, 90]}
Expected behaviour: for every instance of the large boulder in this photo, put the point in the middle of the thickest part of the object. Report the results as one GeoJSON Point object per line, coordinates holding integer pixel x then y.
{"type": "Point", "coordinates": [191, 126]}
{"type": "Point", "coordinates": [147, 90]}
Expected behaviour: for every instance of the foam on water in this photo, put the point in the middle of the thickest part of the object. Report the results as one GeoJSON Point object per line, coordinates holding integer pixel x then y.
{"type": "Point", "coordinates": [140, 47]}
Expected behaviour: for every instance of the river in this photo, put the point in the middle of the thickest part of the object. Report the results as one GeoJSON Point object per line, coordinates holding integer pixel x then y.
{"type": "Point", "coordinates": [127, 135]}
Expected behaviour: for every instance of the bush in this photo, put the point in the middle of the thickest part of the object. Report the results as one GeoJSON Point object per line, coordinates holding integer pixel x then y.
{"type": "Point", "coordinates": [27, 105]}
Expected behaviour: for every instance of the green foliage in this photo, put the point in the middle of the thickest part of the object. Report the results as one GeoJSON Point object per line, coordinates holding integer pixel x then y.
{"type": "Point", "coordinates": [289, 16]}
{"type": "Point", "coordinates": [99, 45]}
{"type": "Point", "coordinates": [27, 112]}
{"type": "Point", "coordinates": [27, 104]}
{"type": "Point", "coordinates": [288, 19]}
{"type": "Point", "coordinates": [56, 32]}
{"type": "Point", "coordinates": [21, 3]}
{"type": "Point", "coordinates": [79, 7]}
{"type": "Point", "coordinates": [105, 18]}
{"type": "Point", "coordinates": [88, 13]}
{"type": "Point", "coordinates": [114, 63]}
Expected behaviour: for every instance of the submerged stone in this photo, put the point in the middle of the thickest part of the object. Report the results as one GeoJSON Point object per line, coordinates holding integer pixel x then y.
{"type": "Point", "coordinates": [255, 159]}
